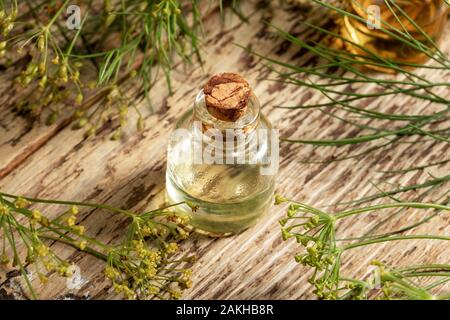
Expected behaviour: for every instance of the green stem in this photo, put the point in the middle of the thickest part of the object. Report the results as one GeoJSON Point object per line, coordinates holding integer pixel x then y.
{"type": "Point", "coordinates": [416, 205]}
{"type": "Point", "coordinates": [74, 203]}
{"type": "Point", "coordinates": [89, 250]}
{"type": "Point", "coordinates": [396, 238]}
{"type": "Point", "coordinates": [57, 14]}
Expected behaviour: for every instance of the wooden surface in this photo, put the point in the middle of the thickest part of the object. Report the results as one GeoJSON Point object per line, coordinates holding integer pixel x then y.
{"type": "Point", "coordinates": [57, 162]}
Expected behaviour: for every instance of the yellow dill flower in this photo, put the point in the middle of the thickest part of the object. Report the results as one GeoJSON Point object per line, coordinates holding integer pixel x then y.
{"type": "Point", "coordinates": [187, 283]}
{"type": "Point", "coordinates": [152, 257]}
{"type": "Point", "coordinates": [71, 221]}
{"type": "Point", "coordinates": [42, 250]}
{"type": "Point", "coordinates": [37, 215]}
{"type": "Point", "coordinates": [138, 244]}
{"type": "Point", "coordinates": [55, 60]}
{"type": "Point", "coordinates": [151, 272]}
{"type": "Point", "coordinates": [175, 294]}
{"type": "Point", "coordinates": [79, 229]}
{"type": "Point", "coordinates": [146, 231]}
{"type": "Point", "coordinates": [43, 279]}
{"type": "Point", "coordinates": [82, 245]}
{"type": "Point", "coordinates": [280, 199]}
{"type": "Point", "coordinates": [185, 218]}
{"type": "Point", "coordinates": [110, 272]}
{"type": "Point", "coordinates": [64, 271]}
{"type": "Point", "coordinates": [117, 287]}
{"type": "Point", "coordinates": [4, 210]}
{"type": "Point", "coordinates": [163, 232]}
{"type": "Point", "coordinates": [172, 248]}
{"type": "Point", "coordinates": [4, 260]}
{"type": "Point", "coordinates": [21, 203]}
{"type": "Point", "coordinates": [182, 234]}
{"type": "Point", "coordinates": [44, 221]}
{"type": "Point", "coordinates": [130, 294]}
{"type": "Point", "coordinates": [49, 266]}
{"type": "Point", "coordinates": [187, 272]}
{"type": "Point", "coordinates": [142, 253]}
{"type": "Point", "coordinates": [74, 210]}
{"type": "Point", "coordinates": [153, 290]}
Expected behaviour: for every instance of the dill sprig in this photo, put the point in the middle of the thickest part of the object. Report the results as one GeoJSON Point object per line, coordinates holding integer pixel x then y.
{"type": "Point", "coordinates": [145, 264]}
{"type": "Point", "coordinates": [341, 76]}
{"type": "Point", "coordinates": [64, 71]}
{"type": "Point", "coordinates": [316, 230]}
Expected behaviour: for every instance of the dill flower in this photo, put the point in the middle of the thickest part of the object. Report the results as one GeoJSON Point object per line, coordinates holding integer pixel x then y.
{"type": "Point", "coordinates": [316, 231]}
{"type": "Point", "coordinates": [71, 220]}
{"type": "Point", "coordinates": [129, 293]}
{"type": "Point", "coordinates": [4, 210]}
{"type": "Point", "coordinates": [280, 199]}
{"type": "Point", "coordinates": [42, 278]}
{"type": "Point", "coordinates": [42, 250]}
{"type": "Point", "coordinates": [187, 272]}
{"type": "Point", "coordinates": [175, 294]}
{"type": "Point", "coordinates": [74, 210]}
{"type": "Point", "coordinates": [80, 230]}
{"type": "Point", "coordinates": [49, 266]}
{"type": "Point", "coordinates": [82, 245]}
{"type": "Point", "coordinates": [31, 257]}
{"type": "Point", "coordinates": [153, 290]}
{"type": "Point", "coordinates": [186, 283]}
{"type": "Point", "coordinates": [44, 221]}
{"type": "Point", "coordinates": [21, 203]}
{"type": "Point", "coordinates": [179, 218]}
{"type": "Point", "coordinates": [172, 248]}
{"type": "Point", "coordinates": [162, 231]}
{"type": "Point", "coordinates": [144, 265]}
{"type": "Point", "coordinates": [182, 234]}
{"type": "Point", "coordinates": [151, 271]}
{"type": "Point", "coordinates": [4, 259]}
{"type": "Point", "coordinates": [2, 48]}
{"type": "Point", "coordinates": [111, 273]}
{"type": "Point", "coordinates": [65, 271]}
{"type": "Point", "coordinates": [36, 215]}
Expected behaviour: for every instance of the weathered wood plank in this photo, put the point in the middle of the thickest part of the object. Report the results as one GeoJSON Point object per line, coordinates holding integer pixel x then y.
{"type": "Point", "coordinates": [255, 264]}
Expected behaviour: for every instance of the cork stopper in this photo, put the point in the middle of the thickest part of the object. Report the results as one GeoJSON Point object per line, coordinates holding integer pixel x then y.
{"type": "Point", "coordinates": [227, 96]}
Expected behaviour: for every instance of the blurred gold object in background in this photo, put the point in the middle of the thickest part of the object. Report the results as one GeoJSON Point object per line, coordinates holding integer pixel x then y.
{"type": "Point", "coordinates": [411, 20]}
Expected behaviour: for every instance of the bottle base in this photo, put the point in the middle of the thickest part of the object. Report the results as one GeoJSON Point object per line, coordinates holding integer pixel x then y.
{"type": "Point", "coordinates": [220, 219]}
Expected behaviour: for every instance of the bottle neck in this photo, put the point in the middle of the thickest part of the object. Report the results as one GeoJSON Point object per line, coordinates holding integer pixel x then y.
{"type": "Point", "coordinates": [247, 123]}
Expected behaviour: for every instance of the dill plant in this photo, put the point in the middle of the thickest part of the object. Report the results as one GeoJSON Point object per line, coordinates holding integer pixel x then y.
{"type": "Point", "coordinates": [81, 72]}
{"type": "Point", "coordinates": [315, 230]}
{"type": "Point", "coordinates": [341, 76]}
{"type": "Point", "coordinates": [147, 263]}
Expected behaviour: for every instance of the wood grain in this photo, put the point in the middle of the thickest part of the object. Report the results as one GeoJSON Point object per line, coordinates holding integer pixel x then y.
{"type": "Point", "coordinates": [57, 162]}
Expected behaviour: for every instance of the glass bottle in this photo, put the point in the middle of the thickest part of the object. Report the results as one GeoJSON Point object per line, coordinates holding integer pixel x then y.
{"type": "Point", "coordinates": [424, 20]}
{"type": "Point", "coordinates": [223, 161]}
